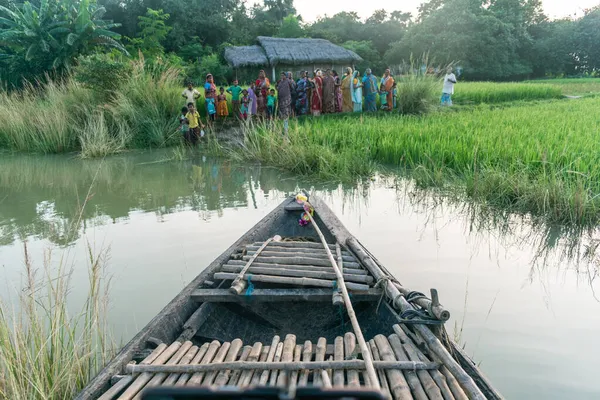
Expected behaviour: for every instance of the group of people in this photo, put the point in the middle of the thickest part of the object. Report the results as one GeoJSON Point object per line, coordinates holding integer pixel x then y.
{"type": "Point", "coordinates": [325, 92]}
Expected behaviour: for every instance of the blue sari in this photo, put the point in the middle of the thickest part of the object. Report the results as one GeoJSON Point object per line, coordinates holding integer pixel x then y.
{"type": "Point", "coordinates": [302, 97]}
{"type": "Point", "coordinates": [370, 90]}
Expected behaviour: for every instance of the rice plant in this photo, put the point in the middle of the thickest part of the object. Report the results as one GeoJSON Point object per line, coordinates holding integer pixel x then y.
{"type": "Point", "coordinates": [494, 92]}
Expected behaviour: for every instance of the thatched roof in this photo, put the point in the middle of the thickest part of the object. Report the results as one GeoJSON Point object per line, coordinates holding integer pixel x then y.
{"type": "Point", "coordinates": [246, 56]}
{"type": "Point", "coordinates": [301, 51]}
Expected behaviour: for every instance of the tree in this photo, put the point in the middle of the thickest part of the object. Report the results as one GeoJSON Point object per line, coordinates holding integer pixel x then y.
{"type": "Point", "coordinates": [50, 36]}
{"type": "Point", "coordinates": [290, 28]}
{"type": "Point", "coordinates": [153, 32]}
{"type": "Point", "coordinates": [588, 37]}
{"type": "Point", "coordinates": [366, 50]}
{"type": "Point", "coordinates": [277, 10]}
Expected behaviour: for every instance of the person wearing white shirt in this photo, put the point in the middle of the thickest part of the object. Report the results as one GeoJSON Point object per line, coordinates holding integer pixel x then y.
{"type": "Point", "coordinates": [190, 94]}
{"type": "Point", "coordinates": [448, 89]}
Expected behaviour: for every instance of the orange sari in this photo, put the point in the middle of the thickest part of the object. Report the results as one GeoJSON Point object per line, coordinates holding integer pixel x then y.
{"type": "Point", "coordinates": [388, 85]}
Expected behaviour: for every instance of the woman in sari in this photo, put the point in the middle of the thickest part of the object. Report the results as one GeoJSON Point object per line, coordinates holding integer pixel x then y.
{"type": "Point", "coordinates": [386, 89]}
{"type": "Point", "coordinates": [210, 93]}
{"type": "Point", "coordinates": [347, 91]}
{"type": "Point", "coordinates": [317, 94]}
{"type": "Point", "coordinates": [302, 88]}
{"type": "Point", "coordinates": [356, 92]}
{"type": "Point", "coordinates": [338, 91]}
{"type": "Point", "coordinates": [370, 89]}
{"type": "Point", "coordinates": [294, 91]}
{"type": "Point", "coordinates": [328, 93]}
{"type": "Point", "coordinates": [262, 83]}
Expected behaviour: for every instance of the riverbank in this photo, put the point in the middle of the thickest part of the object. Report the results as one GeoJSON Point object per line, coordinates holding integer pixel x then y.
{"type": "Point", "coordinates": [540, 159]}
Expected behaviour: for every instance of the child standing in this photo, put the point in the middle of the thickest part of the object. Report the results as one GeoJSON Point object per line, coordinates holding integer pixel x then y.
{"type": "Point", "coordinates": [271, 104]}
{"type": "Point", "coordinates": [211, 108]}
{"type": "Point", "coordinates": [235, 92]}
{"type": "Point", "coordinates": [222, 109]}
{"type": "Point", "coordinates": [244, 104]}
{"type": "Point", "coordinates": [184, 126]}
{"type": "Point", "coordinates": [194, 123]}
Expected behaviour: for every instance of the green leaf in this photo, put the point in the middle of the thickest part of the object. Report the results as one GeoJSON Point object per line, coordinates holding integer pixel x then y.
{"type": "Point", "coordinates": [72, 38]}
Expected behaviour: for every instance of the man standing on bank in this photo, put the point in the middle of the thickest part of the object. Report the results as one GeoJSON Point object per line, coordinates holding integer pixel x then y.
{"type": "Point", "coordinates": [448, 89]}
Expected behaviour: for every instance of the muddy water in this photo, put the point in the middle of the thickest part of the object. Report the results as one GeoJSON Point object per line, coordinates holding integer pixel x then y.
{"type": "Point", "coordinates": [522, 297]}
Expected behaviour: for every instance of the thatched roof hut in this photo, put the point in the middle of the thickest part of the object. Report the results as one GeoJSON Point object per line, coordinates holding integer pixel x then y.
{"type": "Point", "coordinates": [300, 53]}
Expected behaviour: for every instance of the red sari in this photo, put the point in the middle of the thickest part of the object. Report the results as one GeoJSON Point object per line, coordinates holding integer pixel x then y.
{"type": "Point", "coordinates": [317, 96]}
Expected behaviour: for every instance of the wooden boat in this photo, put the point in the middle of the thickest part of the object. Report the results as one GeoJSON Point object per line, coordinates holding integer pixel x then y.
{"type": "Point", "coordinates": [290, 326]}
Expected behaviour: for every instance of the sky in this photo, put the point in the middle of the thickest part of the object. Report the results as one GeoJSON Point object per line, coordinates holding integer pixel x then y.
{"type": "Point", "coordinates": [312, 9]}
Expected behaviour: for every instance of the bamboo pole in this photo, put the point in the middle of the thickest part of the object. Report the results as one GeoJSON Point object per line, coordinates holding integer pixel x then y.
{"type": "Point", "coordinates": [144, 378]}
{"type": "Point", "coordinates": [381, 378]}
{"type": "Point", "coordinates": [124, 382]}
{"type": "Point", "coordinates": [298, 260]}
{"type": "Point", "coordinates": [273, 247]}
{"type": "Point", "coordinates": [398, 385]}
{"type": "Point", "coordinates": [433, 343]}
{"type": "Point", "coordinates": [292, 281]}
{"type": "Point", "coordinates": [411, 376]}
{"type": "Point", "coordinates": [238, 285]}
{"type": "Point", "coordinates": [338, 355]}
{"type": "Point", "coordinates": [317, 268]}
{"type": "Point", "coordinates": [232, 355]}
{"type": "Point", "coordinates": [276, 359]}
{"type": "Point", "coordinates": [437, 376]}
{"type": "Point", "coordinates": [289, 344]}
{"type": "Point", "coordinates": [337, 298]}
{"type": "Point", "coordinates": [349, 347]}
{"type": "Point", "coordinates": [306, 357]}
{"type": "Point", "coordinates": [349, 309]}
{"type": "Point", "coordinates": [256, 374]}
{"type": "Point", "coordinates": [196, 360]}
{"type": "Point", "coordinates": [429, 385]}
{"type": "Point", "coordinates": [306, 245]}
{"type": "Point", "coordinates": [442, 382]}
{"type": "Point", "coordinates": [293, 382]}
{"type": "Point", "coordinates": [209, 378]}
{"type": "Point", "coordinates": [197, 377]}
{"type": "Point", "coordinates": [254, 356]}
{"type": "Point", "coordinates": [264, 377]}
{"type": "Point", "coordinates": [298, 273]}
{"type": "Point", "coordinates": [186, 359]}
{"type": "Point", "coordinates": [159, 377]}
{"type": "Point", "coordinates": [267, 253]}
{"type": "Point", "coordinates": [236, 374]}
{"type": "Point", "coordinates": [325, 378]}
{"type": "Point", "coordinates": [319, 357]}
{"type": "Point", "coordinates": [277, 365]}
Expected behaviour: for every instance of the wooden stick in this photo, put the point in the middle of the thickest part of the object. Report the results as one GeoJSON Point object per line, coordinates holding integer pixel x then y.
{"type": "Point", "coordinates": [196, 360]}
{"type": "Point", "coordinates": [279, 249]}
{"type": "Point", "coordinates": [298, 260]}
{"type": "Point", "coordinates": [264, 377]}
{"type": "Point", "coordinates": [381, 378]}
{"type": "Point", "coordinates": [298, 273]}
{"type": "Point", "coordinates": [289, 344]}
{"type": "Point", "coordinates": [411, 377]}
{"type": "Point", "coordinates": [144, 378]}
{"type": "Point", "coordinates": [254, 356]}
{"type": "Point", "coordinates": [429, 385]}
{"type": "Point", "coordinates": [239, 284]}
{"type": "Point", "coordinates": [197, 377]}
{"type": "Point", "coordinates": [124, 382]}
{"type": "Point", "coordinates": [317, 268]}
{"type": "Point", "coordinates": [306, 357]}
{"type": "Point", "coordinates": [293, 382]}
{"type": "Point", "coordinates": [436, 309]}
{"type": "Point", "coordinates": [186, 359]}
{"type": "Point", "coordinates": [433, 342]}
{"type": "Point", "coordinates": [219, 357]}
{"type": "Point", "coordinates": [398, 385]}
{"type": "Point", "coordinates": [319, 357]}
{"type": "Point", "coordinates": [236, 374]}
{"type": "Point", "coordinates": [349, 347]}
{"type": "Point", "coordinates": [256, 374]}
{"type": "Point", "coordinates": [441, 381]}
{"type": "Point", "coordinates": [350, 310]}
{"type": "Point", "coordinates": [277, 359]}
{"type": "Point", "coordinates": [307, 245]}
{"type": "Point", "coordinates": [161, 376]}
{"type": "Point", "coordinates": [338, 355]}
{"type": "Point", "coordinates": [268, 253]}
{"type": "Point", "coordinates": [337, 298]}
{"type": "Point", "coordinates": [223, 376]}
{"type": "Point", "coordinates": [291, 281]}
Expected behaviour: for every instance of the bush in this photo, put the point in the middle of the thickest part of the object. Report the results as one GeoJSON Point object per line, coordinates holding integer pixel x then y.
{"type": "Point", "coordinates": [417, 93]}
{"type": "Point", "coordinates": [102, 72]}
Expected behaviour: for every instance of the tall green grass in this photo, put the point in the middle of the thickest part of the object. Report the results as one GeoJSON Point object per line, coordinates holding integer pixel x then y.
{"type": "Point", "coordinates": [542, 158]}
{"type": "Point", "coordinates": [46, 352]}
{"type": "Point", "coordinates": [494, 92]}
{"type": "Point", "coordinates": [573, 86]}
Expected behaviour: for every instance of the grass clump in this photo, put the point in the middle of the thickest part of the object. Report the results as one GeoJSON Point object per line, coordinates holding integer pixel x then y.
{"type": "Point", "coordinates": [99, 139]}
{"type": "Point", "coordinates": [417, 94]}
{"type": "Point", "coordinates": [45, 352]}
{"type": "Point", "coordinates": [494, 92]}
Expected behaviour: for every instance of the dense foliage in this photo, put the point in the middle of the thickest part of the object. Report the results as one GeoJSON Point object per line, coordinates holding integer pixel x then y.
{"type": "Point", "coordinates": [488, 39]}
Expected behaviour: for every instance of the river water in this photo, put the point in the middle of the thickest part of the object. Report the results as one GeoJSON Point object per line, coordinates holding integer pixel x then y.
{"type": "Point", "coordinates": [522, 296]}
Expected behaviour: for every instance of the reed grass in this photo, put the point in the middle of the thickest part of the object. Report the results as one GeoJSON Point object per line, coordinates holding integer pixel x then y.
{"type": "Point", "coordinates": [46, 352]}
{"type": "Point", "coordinates": [494, 92]}
{"type": "Point", "coordinates": [541, 159]}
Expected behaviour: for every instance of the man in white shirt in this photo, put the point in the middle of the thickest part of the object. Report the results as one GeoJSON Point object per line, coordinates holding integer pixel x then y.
{"type": "Point", "coordinates": [448, 90]}
{"type": "Point", "coordinates": [190, 94]}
